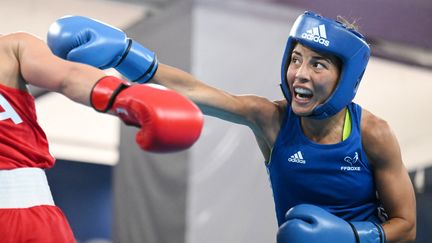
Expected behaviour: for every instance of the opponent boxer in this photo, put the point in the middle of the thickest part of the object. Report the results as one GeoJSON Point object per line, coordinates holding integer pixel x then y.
{"type": "Point", "coordinates": [168, 122]}
{"type": "Point", "coordinates": [320, 148]}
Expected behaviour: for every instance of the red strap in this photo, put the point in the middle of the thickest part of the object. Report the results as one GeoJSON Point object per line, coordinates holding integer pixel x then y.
{"type": "Point", "coordinates": [104, 92]}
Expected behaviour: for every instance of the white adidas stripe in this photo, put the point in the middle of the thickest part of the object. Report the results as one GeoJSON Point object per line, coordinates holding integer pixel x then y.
{"type": "Point", "coordinates": [300, 155]}
{"type": "Point", "coordinates": [318, 31]}
{"type": "Point", "coordinates": [323, 32]}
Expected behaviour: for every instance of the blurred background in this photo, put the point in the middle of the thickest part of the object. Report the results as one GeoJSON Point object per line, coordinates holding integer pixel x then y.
{"type": "Point", "coordinates": [218, 191]}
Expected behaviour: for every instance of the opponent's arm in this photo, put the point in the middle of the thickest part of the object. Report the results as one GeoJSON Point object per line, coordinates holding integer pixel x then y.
{"type": "Point", "coordinates": [39, 67]}
{"type": "Point", "coordinates": [391, 178]}
{"type": "Point", "coordinates": [168, 121]}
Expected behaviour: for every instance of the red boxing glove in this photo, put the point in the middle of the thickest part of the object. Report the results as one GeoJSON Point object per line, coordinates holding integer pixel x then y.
{"type": "Point", "coordinates": [169, 122]}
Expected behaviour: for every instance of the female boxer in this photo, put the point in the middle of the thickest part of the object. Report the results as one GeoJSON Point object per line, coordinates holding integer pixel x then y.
{"type": "Point", "coordinates": [337, 166]}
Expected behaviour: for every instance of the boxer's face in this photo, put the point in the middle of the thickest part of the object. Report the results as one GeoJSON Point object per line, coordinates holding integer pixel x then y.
{"type": "Point", "coordinates": [312, 77]}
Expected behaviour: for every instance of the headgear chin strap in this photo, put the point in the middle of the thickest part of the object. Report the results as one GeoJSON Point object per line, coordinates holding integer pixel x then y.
{"type": "Point", "coordinates": [331, 37]}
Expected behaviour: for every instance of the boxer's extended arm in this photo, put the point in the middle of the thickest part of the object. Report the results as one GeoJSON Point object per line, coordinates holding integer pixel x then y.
{"type": "Point", "coordinates": [69, 38]}
{"type": "Point", "coordinates": [83, 39]}
{"type": "Point", "coordinates": [391, 177]}
{"type": "Point", "coordinates": [168, 120]}
{"type": "Point", "coordinates": [260, 114]}
{"type": "Point", "coordinates": [39, 67]}
{"type": "Point", "coordinates": [212, 101]}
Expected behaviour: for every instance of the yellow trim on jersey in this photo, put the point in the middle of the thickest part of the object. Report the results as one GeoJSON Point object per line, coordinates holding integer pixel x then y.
{"type": "Point", "coordinates": [347, 126]}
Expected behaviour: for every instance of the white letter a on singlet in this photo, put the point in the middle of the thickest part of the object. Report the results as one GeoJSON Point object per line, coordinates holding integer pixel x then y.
{"type": "Point", "coordinates": [9, 112]}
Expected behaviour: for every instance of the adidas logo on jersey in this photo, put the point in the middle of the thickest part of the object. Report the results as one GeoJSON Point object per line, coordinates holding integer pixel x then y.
{"type": "Point", "coordinates": [317, 34]}
{"type": "Point", "coordinates": [297, 158]}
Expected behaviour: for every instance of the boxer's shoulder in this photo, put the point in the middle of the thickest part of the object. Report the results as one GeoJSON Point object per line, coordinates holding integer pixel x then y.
{"type": "Point", "coordinates": [10, 45]}
{"type": "Point", "coordinates": [378, 139]}
{"type": "Point", "coordinates": [372, 126]}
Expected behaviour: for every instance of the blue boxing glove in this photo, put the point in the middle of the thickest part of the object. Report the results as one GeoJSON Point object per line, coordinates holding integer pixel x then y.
{"type": "Point", "coordinates": [309, 223]}
{"type": "Point", "coordinates": [92, 42]}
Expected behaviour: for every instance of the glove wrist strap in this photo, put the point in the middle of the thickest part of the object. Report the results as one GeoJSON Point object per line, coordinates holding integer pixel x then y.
{"type": "Point", "coordinates": [368, 232]}
{"type": "Point", "coordinates": [105, 91]}
{"type": "Point", "coordinates": [138, 64]}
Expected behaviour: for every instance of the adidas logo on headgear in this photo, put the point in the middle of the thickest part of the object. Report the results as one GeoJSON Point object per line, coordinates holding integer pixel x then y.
{"type": "Point", "coordinates": [317, 34]}
{"type": "Point", "coordinates": [297, 158]}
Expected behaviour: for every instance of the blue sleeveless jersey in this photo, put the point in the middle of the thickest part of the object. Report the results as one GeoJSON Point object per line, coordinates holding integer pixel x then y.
{"type": "Point", "coordinates": [336, 177]}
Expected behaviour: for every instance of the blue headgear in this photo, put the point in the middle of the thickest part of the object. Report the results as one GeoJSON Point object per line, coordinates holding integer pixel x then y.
{"type": "Point", "coordinates": [331, 37]}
